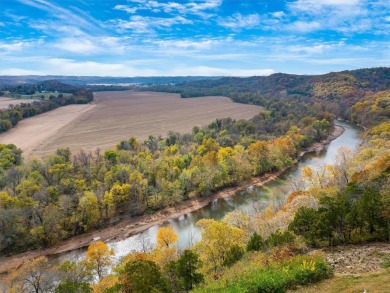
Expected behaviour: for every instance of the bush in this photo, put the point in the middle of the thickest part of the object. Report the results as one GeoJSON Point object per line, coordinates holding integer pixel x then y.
{"type": "Point", "coordinates": [280, 238]}
{"type": "Point", "coordinates": [234, 254]}
{"type": "Point", "coordinates": [255, 243]}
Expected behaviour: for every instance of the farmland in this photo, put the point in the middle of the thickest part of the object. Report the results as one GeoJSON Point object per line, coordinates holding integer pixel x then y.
{"type": "Point", "coordinates": [32, 132]}
{"type": "Point", "coordinates": [5, 102]}
{"type": "Point", "coordinates": [116, 116]}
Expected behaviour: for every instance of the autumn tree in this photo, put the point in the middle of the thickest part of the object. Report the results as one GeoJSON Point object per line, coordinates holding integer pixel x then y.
{"type": "Point", "coordinates": [217, 239]}
{"type": "Point", "coordinates": [141, 276]}
{"type": "Point", "coordinates": [35, 275]}
{"type": "Point", "coordinates": [89, 210]}
{"type": "Point", "coordinates": [166, 236]}
{"type": "Point", "coordinates": [99, 258]}
{"type": "Point", "coordinates": [72, 274]}
{"type": "Point", "coordinates": [165, 251]}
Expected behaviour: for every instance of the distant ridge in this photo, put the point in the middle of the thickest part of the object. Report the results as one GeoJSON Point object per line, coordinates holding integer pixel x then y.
{"type": "Point", "coordinates": [84, 80]}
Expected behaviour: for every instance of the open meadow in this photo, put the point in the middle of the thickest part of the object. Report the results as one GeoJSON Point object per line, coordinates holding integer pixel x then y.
{"type": "Point", "coordinates": [116, 116]}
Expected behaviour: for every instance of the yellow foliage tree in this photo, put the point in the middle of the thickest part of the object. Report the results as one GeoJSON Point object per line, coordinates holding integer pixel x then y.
{"type": "Point", "coordinates": [105, 283]}
{"type": "Point", "coordinates": [89, 210]}
{"type": "Point", "coordinates": [34, 276]}
{"type": "Point", "coordinates": [99, 258]}
{"type": "Point", "coordinates": [166, 236]}
{"type": "Point", "coordinates": [217, 239]}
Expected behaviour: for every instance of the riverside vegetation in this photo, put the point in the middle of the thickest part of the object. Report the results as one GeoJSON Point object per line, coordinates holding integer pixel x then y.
{"type": "Point", "coordinates": [345, 203]}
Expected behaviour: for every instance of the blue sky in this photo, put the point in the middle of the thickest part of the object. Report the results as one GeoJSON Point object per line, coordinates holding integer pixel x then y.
{"type": "Point", "coordinates": [192, 37]}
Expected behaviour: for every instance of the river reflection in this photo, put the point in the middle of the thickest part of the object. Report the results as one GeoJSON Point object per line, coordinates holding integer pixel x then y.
{"type": "Point", "coordinates": [248, 201]}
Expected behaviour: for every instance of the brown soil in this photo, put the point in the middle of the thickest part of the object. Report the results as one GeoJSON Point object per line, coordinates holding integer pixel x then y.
{"type": "Point", "coordinates": [32, 132]}
{"type": "Point", "coordinates": [132, 226]}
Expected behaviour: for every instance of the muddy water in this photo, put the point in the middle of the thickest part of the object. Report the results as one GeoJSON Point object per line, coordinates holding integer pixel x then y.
{"type": "Point", "coordinates": [248, 201]}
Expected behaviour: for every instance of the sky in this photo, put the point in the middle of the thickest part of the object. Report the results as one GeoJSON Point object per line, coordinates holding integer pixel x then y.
{"type": "Point", "coordinates": [192, 37]}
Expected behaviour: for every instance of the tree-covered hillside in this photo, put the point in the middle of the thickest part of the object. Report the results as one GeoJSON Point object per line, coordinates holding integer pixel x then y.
{"type": "Point", "coordinates": [334, 92]}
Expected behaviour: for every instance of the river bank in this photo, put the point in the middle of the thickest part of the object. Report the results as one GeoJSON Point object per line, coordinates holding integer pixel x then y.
{"type": "Point", "coordinates": [132, 226]}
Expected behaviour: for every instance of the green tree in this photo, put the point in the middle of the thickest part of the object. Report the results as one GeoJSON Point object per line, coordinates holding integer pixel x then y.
{"type": "Point", "coordinates": [186, 269]}
{"type": "Point", "coordinates": [139, 276]}
{"type": "Point", "coordinates": [233, 254]}
{"type": "Point", "coordinates": [89, 210]}
{"type": "Point", "coordinates": [255, 243]}
{"type": "Point", "coordinates": [305, 224]}
{"type": "Point", "coordinates": [73, 287]}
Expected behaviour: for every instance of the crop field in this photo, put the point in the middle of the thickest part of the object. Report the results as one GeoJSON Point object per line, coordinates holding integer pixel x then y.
{"type": "Point", "coordinates": [5, 102]}
{"type": "Point", "coordinates": [32, 133]}
{"type": "Point", "coordinates": [116, 116]}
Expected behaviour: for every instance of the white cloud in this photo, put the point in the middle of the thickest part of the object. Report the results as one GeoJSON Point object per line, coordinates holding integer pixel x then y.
{"type": "Point", "coordinates": [18, 71]}
{"type": "Point", "coordinates": [313, 5]}
{"type": "Point", "coordinates": [87, 45]}
{"type": "Point", "coordinates": [278, 14]}
{"type": "Point", "coordinates": [338, 61]}
{"type": "Point", "coordinates": [191, 44]}
{"type": "Point", "coordinates": [146, 24]}
{"type": "Point", "coordinates": [77, 18]}
{"type": "Point", "coordinates": [19, 45]}
{"type": "Point", "coordinates": [345, 16]}
{"type": "Point", "coordinates": [304, 26]}
{"type": "Point", "coordinates": [126, 8]}
{"type": "Point", "coordinates": [239, 21]}
{"type": "Point", "coordinates": [315, 49]}
{"type": "Point", "coordinates": [213, 71]}
{"type": "Point", "coordinates": [60, 66]}
{"type": "Point", "coordinates": [90, 68]}
{"type": "Point", "coordinates": [194, 7]}
{"type": "Point", "coordinates": [74, 45]}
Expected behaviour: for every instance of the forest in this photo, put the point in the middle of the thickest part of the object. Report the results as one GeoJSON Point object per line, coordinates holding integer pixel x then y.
{"type": "Point", "coordinates": [10, 117]}
{"type": "Point", "coordinates": [44, 202]}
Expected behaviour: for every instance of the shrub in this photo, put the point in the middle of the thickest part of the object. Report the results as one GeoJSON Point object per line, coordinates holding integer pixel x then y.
{"type": "Point", "coordinates": [280, 238]}
{"type": "Point", "coordinates": [234, 254]}
{"type": "Point", "coordinates": [255, 243]}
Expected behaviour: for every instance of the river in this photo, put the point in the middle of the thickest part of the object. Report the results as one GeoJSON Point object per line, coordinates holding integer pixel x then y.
{"type": "Point", "coordinates": [246, 201]}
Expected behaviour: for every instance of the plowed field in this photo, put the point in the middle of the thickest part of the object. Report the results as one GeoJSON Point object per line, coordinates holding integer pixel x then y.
{"type": "Point", "coordinates": [116, 116]}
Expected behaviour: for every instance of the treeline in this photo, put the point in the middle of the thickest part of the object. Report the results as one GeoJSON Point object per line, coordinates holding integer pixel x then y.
{"type": "Point", "coordinates": [44, 86]}
{"type": "Point", "coordinates": [10, 117]}
{"type": "Point", "coordinates": [44, 202]}
{"type": "Point", "coordinates": [284, 94]}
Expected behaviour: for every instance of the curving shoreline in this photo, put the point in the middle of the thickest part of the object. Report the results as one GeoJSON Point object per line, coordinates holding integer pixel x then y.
{"type": "Point", "coordinates": [132, 226]}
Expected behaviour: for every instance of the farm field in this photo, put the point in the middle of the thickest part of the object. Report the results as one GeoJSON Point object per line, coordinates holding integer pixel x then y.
{"type": "Point", "coordinates": [31, 133]}
{"type": "Point", "coordinates": [5, 102]}
{"type": "Point", "coordinates": [117, 116]}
